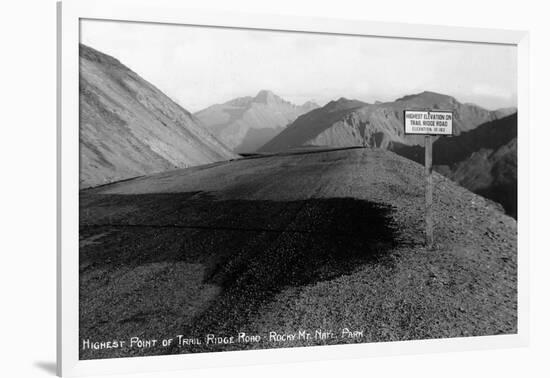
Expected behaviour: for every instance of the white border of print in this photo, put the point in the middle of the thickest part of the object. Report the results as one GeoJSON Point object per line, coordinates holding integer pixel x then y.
{"type": "Point", "coordinates": [171, 11]}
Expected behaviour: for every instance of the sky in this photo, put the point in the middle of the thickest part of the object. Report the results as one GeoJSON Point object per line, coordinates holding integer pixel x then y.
{"type": "Point", "coordinates": [201, 66]}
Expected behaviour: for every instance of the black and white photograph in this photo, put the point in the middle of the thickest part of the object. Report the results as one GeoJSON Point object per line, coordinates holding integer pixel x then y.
{"type": "Point", "coordinates": [290, 188]}
{"type": "Point", "coordinates": [244, 189]}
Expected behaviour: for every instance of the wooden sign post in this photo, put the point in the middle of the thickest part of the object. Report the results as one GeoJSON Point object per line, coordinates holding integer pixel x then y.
{"type": "Point", "coordinates": [428, 123]}
{"type": "Point", "coordinates": [429, 191]}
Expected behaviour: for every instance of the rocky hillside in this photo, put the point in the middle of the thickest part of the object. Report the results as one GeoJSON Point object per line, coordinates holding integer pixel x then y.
{"type": "Point", "coordinates": [129, 128]}
{"type": "Point", "coordinates": [483, 160]}
{"type": "Point", "coordinates": [246, 123]}
{"type": "Point", "coordinates": [331, 240]}
{"type": "Point", "coordinates": [351, 123]}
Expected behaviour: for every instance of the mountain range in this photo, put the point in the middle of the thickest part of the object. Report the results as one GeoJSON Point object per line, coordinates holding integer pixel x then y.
{"type": "Point", "coordinates": [246, 123]}
{"type": "Point", "coordinates": [481, 156]}
{"type": "Point", "coordinates": [345, 122]}
{"type": "Point", "coordinates": [130, 128]}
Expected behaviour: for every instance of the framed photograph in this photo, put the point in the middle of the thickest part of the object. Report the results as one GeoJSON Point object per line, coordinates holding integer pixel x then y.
{"type": "Point", "coordinates": [240, 189]}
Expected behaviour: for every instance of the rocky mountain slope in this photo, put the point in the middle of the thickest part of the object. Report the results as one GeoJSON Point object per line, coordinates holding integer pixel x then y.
{"type": "Point", "coordinates": [246, 123]}
{"type": "Point", "coordinates": [130, 128]}
{"type": "Point", "coordinates": [483, 160]}
{"type": "Point", "coordinates": [351, 123]}
{"type": "Point", "coordinates": [330, 240]}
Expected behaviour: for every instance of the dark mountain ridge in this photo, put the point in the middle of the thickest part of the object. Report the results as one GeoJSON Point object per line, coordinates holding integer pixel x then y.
{"type": "Point", "coordinates": [316, 121]}
{"type": "Point", "coordinates": [483, 160]}
{"type": "Point", "coordinates": [450, 150]}
{"type": "Point", "coordinates": [346, 123]}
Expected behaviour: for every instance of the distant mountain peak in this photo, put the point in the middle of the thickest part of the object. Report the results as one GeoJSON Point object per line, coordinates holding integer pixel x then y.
{"type": "Point", "coordinates": [265, 92]}
{"type": "Point", "coordinates": [343, 103]}
{"type": "Point", "coordinates": [236, 122]}
{"type": "Point", "coordinates": [429, 95]}
{"type": "Point", "coordinates": [267, 97]}
{"type": "Point", "coordinates": [310, 105]}
{"type": "Point", "coordinates": [240, 101]}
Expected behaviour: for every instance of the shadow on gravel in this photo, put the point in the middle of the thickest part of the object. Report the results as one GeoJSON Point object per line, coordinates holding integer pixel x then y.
{"type": "Point", "coordinates": [250, 249]}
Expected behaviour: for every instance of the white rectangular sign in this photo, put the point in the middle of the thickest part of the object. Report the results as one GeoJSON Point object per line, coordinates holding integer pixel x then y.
{"type": "Point", "coordinates": [425, 122]}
